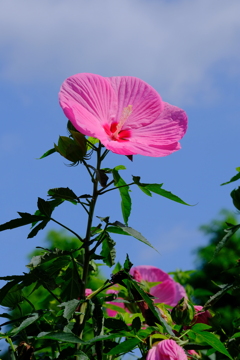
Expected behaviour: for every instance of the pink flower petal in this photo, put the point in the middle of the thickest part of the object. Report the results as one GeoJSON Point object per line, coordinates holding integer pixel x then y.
{"type": "Point", "coordinates": [150, 273]}
{"type": "Point", "coordinates": [88, 100]}
{"type": "Point", "coordinates": [126, 114]}
{"type": "Point", "coordinates": [165, 292]}
{"type": "Point", "coordinates": [168, 292]}
{"type": "Point", "coordinates": [166, 350]}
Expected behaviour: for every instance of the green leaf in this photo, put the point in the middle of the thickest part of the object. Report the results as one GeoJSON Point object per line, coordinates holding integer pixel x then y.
{"type": "Point", "coordinates": [126, 202]}
{"type": "Point", "coordinates": [120, 167]}
{"type": "Point", "coordinates": [63, 194]}
{"type": "Point", "coordinates": [47, 153]}
{"type": "Point", "coordinates": [44, 207]}
{"type": "Point", "coordinates": [124, 346]}
{"type": "Point", "coordinates": [91, 141]}
{"type": "Point", "coordinates": [213, 299]}
{"type": "Point", "coordinates": [136, 324]}
{"type": "Point", "coordinates": [69, 308]}
{"type": "Point", "coordinates": [25, 219]}
{"type": "Point", "coordinates": [236, 335]}
{"type": "Point", "coordinates": [10, 294]}
{"type": "Point", "coordinates": [127, 264]}
{"type": "Point", "coordinates": [137, 235]}
{"type": "Point", "coordinates": [229, 232]}
{"type": "Point", "coordinates": [81, 355]}
{"type": "Point", "coordinates": [151, 306]}
{"type": "Point", "coordinates": [31, 319]}
{"type": "Point", "coordinates": [234, 178]}
{"type": "Point", "coordinates": [108, 250]}
{"type": "Point", "coordinates": [61, 336]}
{"type": "Point", "coordinates": [200, 327]}
{"type": "Point", "coordinates": [212, 340]}
{"type": "Point", "coordinates": [115, 324]}
{"type": "Point", "coordinates": [157, 189]}
{"type": "Point", "coordinates": [37, 228]}
{"type": "Point", "coordinates": [116, 230]}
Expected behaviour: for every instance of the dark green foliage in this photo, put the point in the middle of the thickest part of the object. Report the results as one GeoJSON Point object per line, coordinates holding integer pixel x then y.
{"type": "Point", "coordinates": [223, 269]}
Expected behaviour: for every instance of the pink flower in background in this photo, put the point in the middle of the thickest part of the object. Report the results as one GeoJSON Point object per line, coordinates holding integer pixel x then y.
{"type": "Point", "coordinates": [168, 291]}
{"type": "Point", "coordinates": [126, 114]}
{"type": "Point", "coordinates": [166, 350]}
{"type": "Point", "coordinates": [110, 312]}
{"type": "Point", "coordinates": [88, 292]}
{"type": "Point", "coordinates": [201, 316]}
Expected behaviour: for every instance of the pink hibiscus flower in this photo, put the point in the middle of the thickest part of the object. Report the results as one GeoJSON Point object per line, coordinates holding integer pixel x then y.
{"type": "Point", "coordinates": [168, 291]}
{"type": "Point", "coordinates": [126, 114]}
{"type": "Point", "coordinates": [166, 350]}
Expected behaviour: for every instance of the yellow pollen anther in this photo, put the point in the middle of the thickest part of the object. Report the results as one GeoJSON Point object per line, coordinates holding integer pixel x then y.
{"type": "Point", "coordinates": [125, 115]}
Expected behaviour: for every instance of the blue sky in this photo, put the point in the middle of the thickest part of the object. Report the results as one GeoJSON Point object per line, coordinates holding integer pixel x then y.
{"type": "Point", "coordinates": [187, 50]}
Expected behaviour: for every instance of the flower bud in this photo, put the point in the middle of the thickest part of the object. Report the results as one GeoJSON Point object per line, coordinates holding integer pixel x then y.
{"type": "Point", "coordinates": [72, 149]}
{"type": "Point", "coordinates": [235, 194]}
{"type": "Point", "coordinates": [183, 313]}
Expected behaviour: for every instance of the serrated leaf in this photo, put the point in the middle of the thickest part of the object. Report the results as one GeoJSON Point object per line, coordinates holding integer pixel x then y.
{"type": "Point", "coordinates": [234, 178]}
{"type": "Point", "coordinates": [37, 228]}
{"type": "Point", "coordinates": [10, 294]}
{"type": "Point", "coordinates": [31, 319]}
{"type": "Point", "coordinates": [108, 251]}
{"type": "Point", "coordinates": [48, 256]}
{"type": "Point", "coordinates": [116, 230]}
{"type": "Point", "coordinates": [44, 207]}
{"type": "Point", "coordinates": [127, 264]}
{"type": "Point", "coordinates": [126, 203]}
{"type": "Point", "coordinates": [47, 153]}
{"type": "Point", "coordinates": [213, 299]}
{"type": "Point", "coordinates": [212, 340]}
{"type": "Point", "coordinates": [151, 306]}
{"type": "Point", "coordinates": [124, 346]}
{"type": "Point", "coordinates": [229, 232]}
{"type": "Point", "coordinates": [25, 219]}
{"type": "Point", "coordinates": [137, 235]}
{"type": "Point", "coordinates": [61, 336]}
{"type": "Point", "coordinates": [64, 194]}
{"type": "Point", "coordinates": [69, 308]}
{"type": "Point", "coordinates": [157, 189]}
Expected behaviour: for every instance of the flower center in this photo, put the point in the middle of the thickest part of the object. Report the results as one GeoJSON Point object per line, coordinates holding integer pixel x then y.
{"type": "Point", "coordinates": [114, 130]}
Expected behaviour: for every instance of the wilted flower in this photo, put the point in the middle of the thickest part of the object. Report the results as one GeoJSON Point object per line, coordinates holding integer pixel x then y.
{"type": "Point", "coordinates": [166, 350]}
{"type": "Point", "coordinates": [126, 114]}
{"type": "Point", "coordinates": [168, 291]}
{"type": "Point", "coordinates": [201, 316]}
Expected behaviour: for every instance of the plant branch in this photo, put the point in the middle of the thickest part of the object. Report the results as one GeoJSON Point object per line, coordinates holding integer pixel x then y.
{"type": "Point", "coordinates": [65, 227]}
{"type": "Point", "coordinates": [117, 187]}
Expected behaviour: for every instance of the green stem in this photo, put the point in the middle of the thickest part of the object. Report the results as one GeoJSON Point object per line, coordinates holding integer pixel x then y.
{"type": "Point", "coordinates": [117, 187]}
{"type": "Point", "coordinates": [65, 227]}
{"type": "Point", "coordinates": [11, 345]}
{"type": "Point", "coordinates": [89, 225]}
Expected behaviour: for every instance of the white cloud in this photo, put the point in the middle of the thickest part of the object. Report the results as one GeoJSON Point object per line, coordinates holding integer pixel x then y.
{"type": "Point", "coordinates": [174, 45]}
